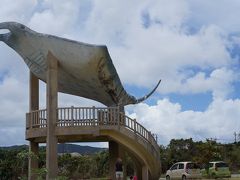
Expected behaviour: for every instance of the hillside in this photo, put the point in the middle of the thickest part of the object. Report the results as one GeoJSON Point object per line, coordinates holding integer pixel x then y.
{"type": "Point", "coordinates": [70, 148]}
{"type": "Point", "coordinates": [62, 148]}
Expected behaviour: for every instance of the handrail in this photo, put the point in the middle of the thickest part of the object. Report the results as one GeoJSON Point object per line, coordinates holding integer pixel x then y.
{"type": "Point", "coordinates": [89, 116]}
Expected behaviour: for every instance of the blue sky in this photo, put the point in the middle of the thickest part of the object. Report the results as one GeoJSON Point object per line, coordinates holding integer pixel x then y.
{"type": "Point", "coordinates": [192, 45]}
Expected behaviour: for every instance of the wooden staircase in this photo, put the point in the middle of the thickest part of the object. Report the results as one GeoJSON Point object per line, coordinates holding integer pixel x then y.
{"type": "Point", "coordinates": [84, 124]}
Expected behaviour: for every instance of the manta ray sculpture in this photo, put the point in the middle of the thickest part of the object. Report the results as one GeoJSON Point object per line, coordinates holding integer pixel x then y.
{"type": "Point", "coordinates": [84, 70]}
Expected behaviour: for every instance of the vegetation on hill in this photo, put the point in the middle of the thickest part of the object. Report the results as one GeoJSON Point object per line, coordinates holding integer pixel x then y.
{"type": "Point", "coordinates": [200, 152]}
{"type": "Point", "coordinates": [14, 161]}
{"type": "Point", "coordinates": [72, 148]}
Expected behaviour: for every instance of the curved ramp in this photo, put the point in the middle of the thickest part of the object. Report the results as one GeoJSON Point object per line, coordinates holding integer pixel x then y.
{"type": "Point", "coordinates": [99, 124]}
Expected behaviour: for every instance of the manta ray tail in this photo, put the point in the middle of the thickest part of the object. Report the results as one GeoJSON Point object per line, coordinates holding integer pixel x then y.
{"type": "Point", "coordinates": [149, 94]}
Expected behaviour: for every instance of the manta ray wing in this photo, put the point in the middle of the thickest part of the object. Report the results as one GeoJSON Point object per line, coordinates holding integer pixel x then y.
{"type": "Point", "coordinates": [84, 70]}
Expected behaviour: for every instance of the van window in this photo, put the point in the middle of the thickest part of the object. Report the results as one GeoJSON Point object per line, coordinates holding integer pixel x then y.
{"type": "Point", "coordinates": [192, 166]}
{"type": "Point", "coordinates": [210, 165]}
{"type": "Point", "coordinates": [174, 167]}
{"type": "Point", "coordinates": [181, 166]}
{"type": "Point", "coordinates": [221, 164]}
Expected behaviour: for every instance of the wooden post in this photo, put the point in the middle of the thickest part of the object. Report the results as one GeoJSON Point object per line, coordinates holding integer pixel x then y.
{"type": "Point", "coordinates": [137, 164]}
{"type": "Point", "coordinates": [33, 92]}
{"type": "Point", "coordinates": [113, 155]}
{"type": "Point", "coordinates": [116, 150]}
{"type": "Point", "coordinates": [135, 126]}
{"type": "Point", "coordinates": [93, 117]}
{"type": "Point", "coordinates": [72, 115]}
{"type": "Point", "coordinates": [52, 101]}
{"type": "Point", "coordinates": [121, 115]}
{"type": "Point", "coordinates": [145, 173]}
{"type": "Point", "coordinates": [33, 105]}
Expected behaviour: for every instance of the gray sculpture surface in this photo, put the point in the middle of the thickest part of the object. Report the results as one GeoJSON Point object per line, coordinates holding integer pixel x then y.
{"type": "Point", "coordinates": [84, 70]}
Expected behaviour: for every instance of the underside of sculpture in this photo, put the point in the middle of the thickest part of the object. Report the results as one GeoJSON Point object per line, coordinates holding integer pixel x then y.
{"type": "Point", "coordinates": [84, 70]}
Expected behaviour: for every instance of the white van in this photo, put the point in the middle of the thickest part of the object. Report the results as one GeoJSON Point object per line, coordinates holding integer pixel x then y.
{"type": "Point", "coordinates": [184, 170]}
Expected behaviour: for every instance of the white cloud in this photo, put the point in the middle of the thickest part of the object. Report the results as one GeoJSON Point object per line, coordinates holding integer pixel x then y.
{"type": "Point", "coordinates": [163, 50]}
{"type": "Point", "coordinates": [14, 106]}
{"type": "Point", "coordinates": [168, 13]}
{"type": "Point", "coordinates": [12, 136]}
{"type": "Point", "coordinates": [169, 121]}
{"type": "Point", "coordinates": [16, 11]}
{"type": "Point", "coordinates": [219, 83]}
{"type": "Point", "coordinates": [159, 53]}
{"type": "Point", "coordinates": [222, 13]}
{"type": "Point", "coordinates": [55, 18]}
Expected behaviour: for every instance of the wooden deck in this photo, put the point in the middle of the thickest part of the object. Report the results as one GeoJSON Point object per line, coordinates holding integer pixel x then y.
{"type": "Point", "coordinates": [76, 124]}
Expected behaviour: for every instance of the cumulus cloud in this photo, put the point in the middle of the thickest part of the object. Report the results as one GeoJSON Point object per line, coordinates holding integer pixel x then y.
{"type": "Point", "coordinates": [168, 13]}
{"type": "Point", "coordinates": [208, 12]}
{"type": "Point", "coordinates": [219, 82]}
{"type": "Point", "coordinates": [56, 18]}
{"type": "Point", "coordinates": [168, 120]}
{"type": "Point", "coordinates": [12, 136]}
{"type": "Point", "coordinates": [18, 11]}
{"type": "Point", "coordinates": [164, 48]}
{"type": "Point", "coordinates": [163, 54]}
{"type": "Point", "coordinates": [14, 105]}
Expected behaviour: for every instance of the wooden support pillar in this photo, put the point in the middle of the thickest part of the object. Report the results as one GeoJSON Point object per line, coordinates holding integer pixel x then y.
{"type": "Point", "coordinates": [33, 161]}
{"type": "Point", "coordinates": [33, 92]}
{"type": "Point", "coordinates": [137, 166]}
{"type": "Point", "coordinates": [122, 155]}
{"type": "Point", "coordinates": [115, 151]}
{"type": "Point", "coordinates": [52, 101]}
{"type": "Point", "coordinates": [33, 105]}
{"type": "Point", "coordinates": [145, 174]}
{"type": "Point", "coordinates": [138, 170]}
{"type": "Point", "coordinates": [113, 155]}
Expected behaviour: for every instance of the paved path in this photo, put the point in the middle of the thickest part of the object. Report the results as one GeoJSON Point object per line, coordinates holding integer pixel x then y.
{"type": "Point", "coordinates": [233, 177]}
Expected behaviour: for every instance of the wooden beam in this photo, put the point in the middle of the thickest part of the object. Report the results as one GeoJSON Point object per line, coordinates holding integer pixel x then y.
{"type": "Point", "coordinates": [52, 104]}
{"type": "Point", "coordinates": [33, 105]}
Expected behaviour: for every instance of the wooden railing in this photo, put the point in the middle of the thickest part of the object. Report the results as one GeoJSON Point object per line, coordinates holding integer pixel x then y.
{"type": "Point", "coordinates": [36, 119]}
{"type": "Point", "coordinates": [90, 116]}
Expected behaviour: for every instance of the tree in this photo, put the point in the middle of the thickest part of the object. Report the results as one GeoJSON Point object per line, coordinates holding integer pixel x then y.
{"type": "Point", "coordinates": [181, 149]}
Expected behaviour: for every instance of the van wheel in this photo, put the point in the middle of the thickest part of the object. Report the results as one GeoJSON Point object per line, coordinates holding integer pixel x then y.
{"type": "Point", "coordinates": [184, 177]}
{"type": "Point", "coordinates": [167, 177]}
